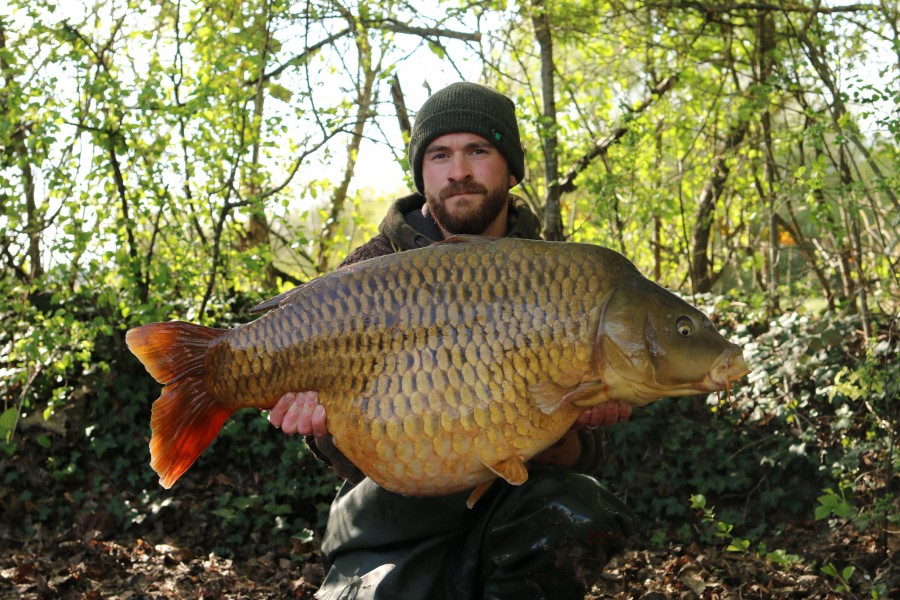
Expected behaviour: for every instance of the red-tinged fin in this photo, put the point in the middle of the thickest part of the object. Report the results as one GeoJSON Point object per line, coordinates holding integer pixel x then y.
{"type": "Point", "coordinates": [171, 350]}
{"type": "Point", "coordinates": [186, 418]}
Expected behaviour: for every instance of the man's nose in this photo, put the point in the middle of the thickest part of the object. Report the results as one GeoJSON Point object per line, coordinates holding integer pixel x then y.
{"type": "Point", "coordinates": [460, 170]}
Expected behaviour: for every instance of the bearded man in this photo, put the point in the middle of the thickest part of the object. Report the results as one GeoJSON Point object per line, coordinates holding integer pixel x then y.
{"type": "Point", "coordinates": [548, 538]}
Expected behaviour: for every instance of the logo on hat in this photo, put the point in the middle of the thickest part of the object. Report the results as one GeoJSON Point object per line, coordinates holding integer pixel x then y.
{"type": "Point", "coordinates": [496, 135]}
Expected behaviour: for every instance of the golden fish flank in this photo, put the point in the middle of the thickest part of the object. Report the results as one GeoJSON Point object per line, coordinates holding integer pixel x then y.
{"type": "Point", "coordinates": [444, 367]}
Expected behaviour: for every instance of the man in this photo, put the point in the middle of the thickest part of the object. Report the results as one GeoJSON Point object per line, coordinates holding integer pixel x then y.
{"type": "Point", "coordinates": [548, 538]}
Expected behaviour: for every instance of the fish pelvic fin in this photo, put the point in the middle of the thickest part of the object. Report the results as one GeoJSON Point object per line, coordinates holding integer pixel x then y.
{"type": "Point", "coordinates": [478, 492]}
{"type": "Point", "coordinates": [186, 418]}
{"type": "Point", "coordinates": [511, 469]}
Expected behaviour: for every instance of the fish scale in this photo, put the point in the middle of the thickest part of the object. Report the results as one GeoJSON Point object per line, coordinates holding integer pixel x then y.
{"type": "Point", "coordinates": [440, 368]}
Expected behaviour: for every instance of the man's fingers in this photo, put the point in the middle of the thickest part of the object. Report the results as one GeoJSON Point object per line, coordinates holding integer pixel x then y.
{"type": "Point", "coordinates": [292, 417]}
{"type": "Point", "coordinates": [319, 423]}
{"type": "Point", "coordinates": [299, 412]}
{"type": "Point", "coordinates": [608, 413]}
{"type": "Point", "coordinates": [584, 419]}
{"type": "Point", "coordinates": [304, 419]}
{"type": "Point", "coordinates": [276, 415]}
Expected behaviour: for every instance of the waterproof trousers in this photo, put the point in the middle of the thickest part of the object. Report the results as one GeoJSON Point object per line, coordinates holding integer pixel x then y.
{"type": "Point", "coordinates": [548, 538]}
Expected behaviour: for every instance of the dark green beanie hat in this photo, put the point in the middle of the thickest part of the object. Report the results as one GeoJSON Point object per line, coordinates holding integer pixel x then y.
{"type": "Point", "coordinates": [467, 108]}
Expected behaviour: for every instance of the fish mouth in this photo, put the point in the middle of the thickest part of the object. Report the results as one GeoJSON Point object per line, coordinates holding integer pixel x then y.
{"type": "Point", "coordinates": [728, 368]}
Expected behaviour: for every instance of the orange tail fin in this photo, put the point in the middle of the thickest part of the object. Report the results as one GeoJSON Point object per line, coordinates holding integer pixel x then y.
{"type": "Point", "coordinates": [186, 418]}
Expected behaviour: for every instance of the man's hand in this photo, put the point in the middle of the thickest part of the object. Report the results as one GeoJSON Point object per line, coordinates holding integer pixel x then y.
{"type": "Point", "coordinates": [299, 412]}
{"type": "Point", "coordinates": [608, 413]}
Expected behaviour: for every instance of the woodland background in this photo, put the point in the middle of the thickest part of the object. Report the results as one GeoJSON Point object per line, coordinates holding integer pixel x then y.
{"type": "Point", "coordinates": [187, 159]}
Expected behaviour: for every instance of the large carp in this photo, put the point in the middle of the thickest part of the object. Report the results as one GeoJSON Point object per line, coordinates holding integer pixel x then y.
{"type": "Point", "coordinates": [441, 368]}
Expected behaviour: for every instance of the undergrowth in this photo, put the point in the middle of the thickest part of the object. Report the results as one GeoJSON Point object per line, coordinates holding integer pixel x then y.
{"type": "Point", "coordinates": [806, 440]}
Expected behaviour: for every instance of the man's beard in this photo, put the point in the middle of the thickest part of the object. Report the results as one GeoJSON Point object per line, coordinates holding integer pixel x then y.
{"type": "Point", "coordinates": [473, 222]}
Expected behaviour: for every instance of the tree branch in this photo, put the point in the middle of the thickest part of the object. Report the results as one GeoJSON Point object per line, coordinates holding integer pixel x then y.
{"type": "Point", "coordinates": [400, 108]}
{"type": "Point", "coordinates": [567, 181]}
{"type": "Point", "coordinates": [787, 7]}
{"type": "Point", "coordinates": [298, 59]}
{"type": "Point", "coordinates": [425, 32]}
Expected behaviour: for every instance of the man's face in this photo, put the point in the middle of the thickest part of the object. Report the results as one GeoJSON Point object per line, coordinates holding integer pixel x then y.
{"type": "Point", "coordinates": [466, 181]}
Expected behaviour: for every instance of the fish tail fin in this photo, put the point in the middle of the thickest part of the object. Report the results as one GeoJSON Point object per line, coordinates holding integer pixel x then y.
{"type": "Point", "coordinates": [186, 417]}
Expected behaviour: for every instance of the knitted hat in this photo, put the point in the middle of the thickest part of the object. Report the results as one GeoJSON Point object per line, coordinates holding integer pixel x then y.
{"type": "Point", "coordinates": [467, 108]}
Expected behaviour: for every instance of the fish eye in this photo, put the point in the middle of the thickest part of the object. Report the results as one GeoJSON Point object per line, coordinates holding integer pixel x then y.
{"type": "Point", "coordinates": [684, 326]}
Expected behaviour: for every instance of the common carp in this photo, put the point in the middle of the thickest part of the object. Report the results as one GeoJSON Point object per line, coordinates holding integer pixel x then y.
{"type": "Point", "coordinates": [444, 367]}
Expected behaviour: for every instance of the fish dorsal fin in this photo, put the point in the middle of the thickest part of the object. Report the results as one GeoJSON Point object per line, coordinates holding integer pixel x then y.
{"type": "Point", "coordinates": [550, 397]}
{"type": "Point", "coordinates": [511, 469]}
{"type": "Point", "coordinates": [465, 238]}
{"type": "Point", "coordinates": [273, 302]}
{"type": "Point", "coordinates": [286, 297]}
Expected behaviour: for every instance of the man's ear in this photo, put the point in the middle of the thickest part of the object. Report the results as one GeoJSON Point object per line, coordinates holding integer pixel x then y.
{"type": "Point", "coordinates": [512, 181]}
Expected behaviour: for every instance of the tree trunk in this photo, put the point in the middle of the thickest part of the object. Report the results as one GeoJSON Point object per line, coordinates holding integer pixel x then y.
{"type": "Point", "coordinates": [258, 230]}
{"type": "Point", "coordinates": [34, 223]}
{"type": "Point", "coordinates": [765, 45]}
{"type": "Point", "coordinates": [363, 112]}
{"type": "Point", "coordinates": [702, 276]}
{"type": "Point", "coordinates": [851, 216]}
{"type": "Point", "coordinates": [553, 229]}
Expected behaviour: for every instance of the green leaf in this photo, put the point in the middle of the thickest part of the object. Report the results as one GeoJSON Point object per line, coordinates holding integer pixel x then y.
{"type": "Point", "coordinates": [437, 49]}
{"type": "Point", "coordinates": [226, 513]}
{"type": "Point", "coordinates": [280, 92]}
{"type": "Point", "coordinates": [738, 545]}
{"type": "Point", "coordinates": [7, 422]}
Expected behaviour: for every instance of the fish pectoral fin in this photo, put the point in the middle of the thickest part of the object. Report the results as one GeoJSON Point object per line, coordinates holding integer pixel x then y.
{"type": "Point", "coordinates": [510, 469]}
{"type": "Point", "coordinates": [478, 492]}
{"type": "Point", "coordinates": [589, 393]}
{"type": "Point", "coordinates": [549, 396]}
